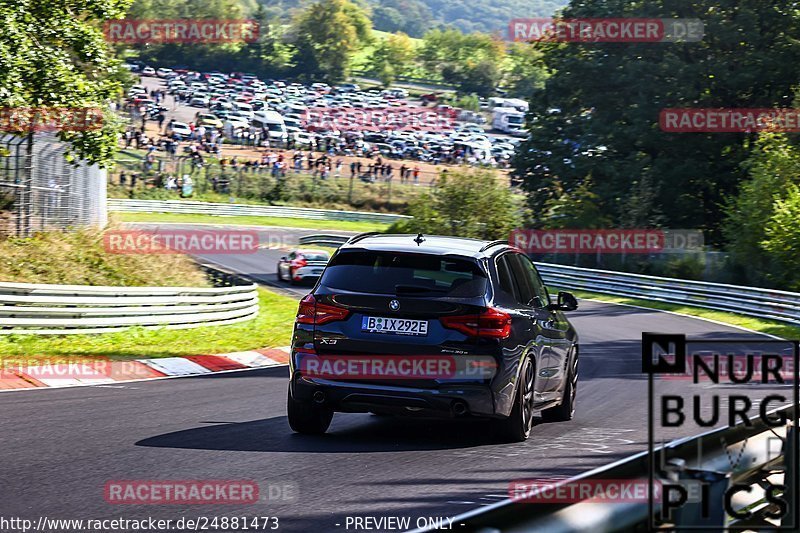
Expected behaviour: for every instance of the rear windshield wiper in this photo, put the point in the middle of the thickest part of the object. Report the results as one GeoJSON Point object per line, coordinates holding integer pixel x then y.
{"type": "Point", "coordinates": [415, 288]}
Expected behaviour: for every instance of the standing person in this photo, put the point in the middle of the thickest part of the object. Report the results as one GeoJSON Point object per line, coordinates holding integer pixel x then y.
{"type": "Point", "coordinates": [403, 173]}
{"type": "Point", "coordinates": [416, 175]}
{"type": "Point", "coordinates": [338, 168]}
{"type": "Point", "coordinates": [358, 168]}
{"type": "Point", "coordinates": [352, 170]}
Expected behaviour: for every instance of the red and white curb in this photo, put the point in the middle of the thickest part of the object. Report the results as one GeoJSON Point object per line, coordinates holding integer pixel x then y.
{"type": "Point", "coordinates": [86, 372]}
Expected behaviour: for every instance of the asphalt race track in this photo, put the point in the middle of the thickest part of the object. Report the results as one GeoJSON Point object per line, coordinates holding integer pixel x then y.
{"type": "Point", "coordinates": [60, 447]}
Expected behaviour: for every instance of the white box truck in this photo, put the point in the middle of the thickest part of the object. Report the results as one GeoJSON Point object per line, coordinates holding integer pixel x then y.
{"type": "Point", "coordinates": [508, 120]}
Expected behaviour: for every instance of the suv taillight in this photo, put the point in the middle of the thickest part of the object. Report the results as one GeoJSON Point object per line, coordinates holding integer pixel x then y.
{"type": "Point", "coordinates": [312, 312]}
{"type": "Point", "coordinates": [491, 323]}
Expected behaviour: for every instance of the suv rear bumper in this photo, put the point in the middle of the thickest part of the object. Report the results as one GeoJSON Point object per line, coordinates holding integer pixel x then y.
{"type": "Point", "coordinates": [447, 400]}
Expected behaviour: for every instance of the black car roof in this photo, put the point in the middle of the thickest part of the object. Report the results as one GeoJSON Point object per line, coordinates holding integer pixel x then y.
{"type": "Point", "coordinates": [431, 244]}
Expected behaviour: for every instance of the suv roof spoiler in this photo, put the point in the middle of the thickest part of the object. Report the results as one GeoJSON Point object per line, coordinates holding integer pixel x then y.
{"type": "Point", "coordinates": [362, 236]}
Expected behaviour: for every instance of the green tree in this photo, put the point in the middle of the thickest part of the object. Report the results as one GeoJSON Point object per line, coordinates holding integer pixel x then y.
{"type": "Point", "coordinates": [223, 56]}
{"type": "Point", "coordinates": [53, 54]}
{"type": "Point", "coordinates": [271, 54]}
{"type": "Point", "coordinates": [394, 56]}
{"type": "Point", "coordinates": [408, 16]}
{"type": "Point", "coordinates": [327, 34]}
{"type": "Point", "coordinates": [773, 168]}
{"type": "Point", "coordinates": [782, 240]}
{"type": "Point", "coordinates": [467, 203]}
{"type": "Point", "coordinates": [470, 61]}
{"type": "Point", "coordinates": [525, 72]}
{"type": "Point", "coordinates": [576, 209]}
{"type": "Point", "coordinates": [478, 78]}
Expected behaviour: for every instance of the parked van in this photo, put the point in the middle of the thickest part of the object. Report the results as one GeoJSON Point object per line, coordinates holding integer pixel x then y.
{"type": "Point", "coordinates": [270, 122]}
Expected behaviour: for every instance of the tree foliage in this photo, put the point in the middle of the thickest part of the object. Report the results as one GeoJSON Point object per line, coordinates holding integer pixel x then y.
{"type": "Point", "coordinates": [411, 17]}
{"type": "Point", "coordinates": [326, 35]}
{"type": "Point", "coordinates": [470, 61]}
{"type": "Point", "coordinates": [773, 169]}
{"type": "Point", "coordinates": [468, 204]}
{"type": "Point", "coordinates": [598, 112]}
{"type": "Point", "coordinates": [394, 56]}
{"type": "Point", "coordinates": [782, 240]}
{"type": "Point", "coordinates": [53, 54]}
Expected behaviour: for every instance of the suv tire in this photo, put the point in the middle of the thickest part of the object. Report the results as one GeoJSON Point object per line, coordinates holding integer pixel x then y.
{"type": "Point", "coordinates": [307, 417]}
{"type": "Point", "coordinates": [517, 427]}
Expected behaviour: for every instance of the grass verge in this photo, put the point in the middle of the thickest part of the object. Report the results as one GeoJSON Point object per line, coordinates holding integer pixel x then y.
{"type": "Point", "coordinates": [80, 258]}
{"type": "Point", "coordinates": [183, 218]}
{"type": "Point", "coordinates": [771, 327]}
{"type": "Point", "coordinates": [272, 327]}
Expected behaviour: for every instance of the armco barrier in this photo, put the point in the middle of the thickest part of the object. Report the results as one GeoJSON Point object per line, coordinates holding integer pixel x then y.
{"type": "Point", "coordinates": [764, 303]}
{"type": "Point", "coordinates": [219, 209]}
{"type": "Point", "coordinates": [28, 308]}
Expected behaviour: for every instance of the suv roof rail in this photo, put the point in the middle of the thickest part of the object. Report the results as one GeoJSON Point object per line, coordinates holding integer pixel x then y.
{"type": "Point", "coordinates": [361, 236]}
{"type": "Point", "coordinates": [491, 244]}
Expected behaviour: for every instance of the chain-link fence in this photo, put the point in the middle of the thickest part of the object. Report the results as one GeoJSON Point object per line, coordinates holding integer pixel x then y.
{"type": "Point", "coordinates": [40, 189]}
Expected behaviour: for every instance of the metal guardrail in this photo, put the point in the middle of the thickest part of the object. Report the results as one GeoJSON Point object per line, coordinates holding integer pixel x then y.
{"type": "Point", "coordinates": [764, 303]}
{"type": "Point", "coordinates": [29, 308]}
{"type": "Point", "coordinates": [219, 209]}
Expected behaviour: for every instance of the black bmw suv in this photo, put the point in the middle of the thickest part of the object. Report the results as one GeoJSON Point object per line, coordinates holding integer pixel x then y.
{"type": "Point", "coordinates": [432, 326]}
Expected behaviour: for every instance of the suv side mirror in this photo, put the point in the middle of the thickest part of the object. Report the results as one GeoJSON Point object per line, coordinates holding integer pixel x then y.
{"type": "Point", "coordinates": [566, 302]}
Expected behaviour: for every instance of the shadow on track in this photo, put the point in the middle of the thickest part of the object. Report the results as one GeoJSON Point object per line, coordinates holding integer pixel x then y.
{"type": "Point", "coordinates": [350, 433]}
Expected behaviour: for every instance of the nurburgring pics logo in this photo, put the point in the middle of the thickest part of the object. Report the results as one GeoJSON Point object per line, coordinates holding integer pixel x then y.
{"type": "Point", "coordinates": [606, 30]}
{"type": "Point", "coordinates": [181, 241]}
{"type": "Point", "coordinates": [721, 120]}
{"type": "Point", "coordinates": [163, 31]}
{"type": "Point", "coordinates": [745, 389]}
{"type": "Point", "coordinates": [50, 119]}
{"type": "Point", "coordinates": [608, 241]}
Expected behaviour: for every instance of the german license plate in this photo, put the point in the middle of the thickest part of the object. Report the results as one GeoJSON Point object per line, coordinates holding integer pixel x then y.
{"type": "Point", "coordinates": [394, 326]}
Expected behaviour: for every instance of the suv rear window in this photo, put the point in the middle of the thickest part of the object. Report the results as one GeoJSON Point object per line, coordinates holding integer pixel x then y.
{"type": "Point", "coordinates": [405, 274]}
